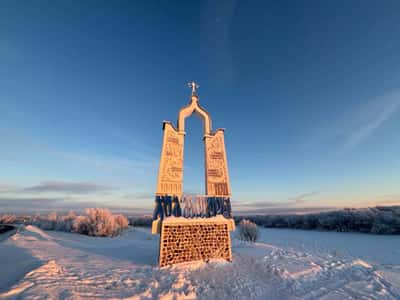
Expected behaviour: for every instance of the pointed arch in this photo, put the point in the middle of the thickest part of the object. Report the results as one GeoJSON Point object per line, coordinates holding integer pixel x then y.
{"type": "Point", "coordinates": [188, 110]}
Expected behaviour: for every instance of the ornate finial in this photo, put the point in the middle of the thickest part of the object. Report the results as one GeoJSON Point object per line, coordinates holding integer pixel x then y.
{"type": "Point", "coordinates": [193, 85]}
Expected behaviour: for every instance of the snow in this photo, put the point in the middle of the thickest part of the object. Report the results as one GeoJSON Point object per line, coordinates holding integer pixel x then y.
{"type": "Point", "coordinates": [15, 262]}
{"type": "Point", "coordinates": [283, 264]}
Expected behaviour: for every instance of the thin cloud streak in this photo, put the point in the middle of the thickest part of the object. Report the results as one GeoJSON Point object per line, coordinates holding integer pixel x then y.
{"type": "Point", "coordinates": [302, 197]}
{"type": "Point", "coordinates": [371, 117]}
{"type": "Point", "coordinates": [24, 205]}
{"type": "Point", "coordinates": [61, 187]}
{"type": "Point", "coordinates": [67, 187]}
{"type": "Point", "coordinates": [139, 196]}
{"type": "Point", "coordinates": [355, 126]}
{"type": "Point", "coordinates": [106, 162]}
{"type": "Point", "coordinates": [62, 195]}
{"type": "Point", "coordinates": [103, 162]}
{"type": "Point", "coordinates": [290, 202]}
{"type": "Point", "coordinates": [284, 210]}
{"type": "Point", "coordinates": [6, 187]}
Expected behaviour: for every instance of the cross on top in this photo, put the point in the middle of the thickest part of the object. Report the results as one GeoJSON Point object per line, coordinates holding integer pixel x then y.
{"type": "Point", "coordinates": [193, 85]}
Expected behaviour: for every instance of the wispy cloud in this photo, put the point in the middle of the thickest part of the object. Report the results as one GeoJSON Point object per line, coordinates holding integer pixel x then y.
{"type": "Point", "coordinates": [370, 117]}
{"type": "Point", "coordinates": [31, 205]}
{"type": "Point", "coordinates": [67, 187]}
{"type": "Point", "coordinates": [291, 202]}
{"type": "Point", "coordinates": [345, 132]}
{"type": "Point", "coordinates": [139, 196]}
{"type": "Point", "coordinates": [105, 162]}
{"type": "Point", "coordinates": [65, 195]}
{"type": "Point", "coordinates": [6, 187]}
{"type": "Point", "coordinates": [301, 198]}
{"type": "Point", "coordinates": [17, 204]}
{"type": "Point", "coordinates": [145, 160]}
{"type": "Point", "coordinates": [283, 210]}
{"type": "Point", "coordinates": [217, 26]}
{"type": "Point", "coordinates": [59, 187]}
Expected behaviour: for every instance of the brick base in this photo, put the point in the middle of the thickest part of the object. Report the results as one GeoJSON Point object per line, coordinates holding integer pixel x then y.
{"type": "Point", "coordinates": [184, 240]}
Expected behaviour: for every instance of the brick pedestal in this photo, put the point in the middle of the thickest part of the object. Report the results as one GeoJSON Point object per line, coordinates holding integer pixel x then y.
{"type": "Point", "coordinates": [184, 240]}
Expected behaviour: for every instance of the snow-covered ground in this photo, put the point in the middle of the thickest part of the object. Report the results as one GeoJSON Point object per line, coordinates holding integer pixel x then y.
{"type": "Point", "coordinates": [284, 264]}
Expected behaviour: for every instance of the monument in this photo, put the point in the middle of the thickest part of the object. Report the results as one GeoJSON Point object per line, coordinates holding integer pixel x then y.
{"type": "Point", "coordinates": [192, 229]}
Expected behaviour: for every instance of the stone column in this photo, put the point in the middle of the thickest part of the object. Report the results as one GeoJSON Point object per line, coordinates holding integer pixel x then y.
{"type": "Point", "coordinates": [170, 174]}
{"type": "Point", "coordinates": [216, 165]}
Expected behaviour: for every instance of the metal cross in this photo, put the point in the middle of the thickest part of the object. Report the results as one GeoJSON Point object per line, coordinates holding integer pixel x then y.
{"type": "Point", "coordinates": [194, 86]}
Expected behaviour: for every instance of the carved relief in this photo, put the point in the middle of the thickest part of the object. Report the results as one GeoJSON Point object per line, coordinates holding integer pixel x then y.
{"type": "Point", "coordinates": [171, 165]}
{"type": "Point", "coordinates": [199, 238]}
{"type": "Point", "coordinates": [217, 178]}
{"type": "Point", "coordinates": [170, 175]}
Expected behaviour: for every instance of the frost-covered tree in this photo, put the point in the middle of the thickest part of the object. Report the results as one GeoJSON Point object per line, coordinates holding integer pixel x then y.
{"type": "Point", "coordinates": [81, 225]}
{"type": "Point", "coordinates": [96, 222]}
{"type": "Point", "coordinates": [248, 231]}
{"type": "Point", "coordinates": [121, 223]}
{"type": "Point", "coordinates": [8, 219]}
{"type": "Point", "coordinates": [65, 223]}
{"type": "Point", "coordinates": [100, 222]}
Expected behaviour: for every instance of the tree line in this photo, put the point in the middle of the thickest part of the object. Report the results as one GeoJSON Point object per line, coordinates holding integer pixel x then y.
{"type": "Point", "coordinates": [376, 220]}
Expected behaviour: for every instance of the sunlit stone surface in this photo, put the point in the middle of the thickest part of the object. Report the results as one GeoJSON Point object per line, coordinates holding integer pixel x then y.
{"type": "Point", "coordinates": [195, 238]}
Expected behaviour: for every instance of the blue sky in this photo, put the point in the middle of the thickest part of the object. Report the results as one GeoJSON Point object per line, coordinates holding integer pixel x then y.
{"type": "Point", "coordinates": [308, 92]}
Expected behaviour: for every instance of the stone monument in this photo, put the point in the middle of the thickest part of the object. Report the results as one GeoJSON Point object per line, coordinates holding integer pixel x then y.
{"type": "Point", "coordinates": [204, 233]}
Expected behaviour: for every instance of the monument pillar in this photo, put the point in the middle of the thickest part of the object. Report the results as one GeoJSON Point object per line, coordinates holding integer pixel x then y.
{"type": "Point", "coordinates": [170, 174]}
{"type": "Point", "coordinates": [199, 238]}
{"type": "Point", "coordinates": [217, 177]}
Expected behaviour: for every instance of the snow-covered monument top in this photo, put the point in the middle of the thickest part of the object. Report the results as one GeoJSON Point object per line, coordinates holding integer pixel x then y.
{"type": "Point", "coordinates": [169, 195]}
{"type": "Point", "coordinates": [192, 228]}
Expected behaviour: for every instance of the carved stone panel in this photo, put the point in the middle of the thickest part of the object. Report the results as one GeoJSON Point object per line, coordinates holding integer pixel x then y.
{"type": "Point", "coordinates": [217, 177]}
{"type": "Point", "coordinates": [170, 174]}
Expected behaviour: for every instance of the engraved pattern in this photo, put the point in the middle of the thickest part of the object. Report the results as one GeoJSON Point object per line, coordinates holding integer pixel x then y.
{"type": "Point", "coordinates": [217, 171]}
{"type": "Point", "coordinates": [170, 177]}
{"type": "Point", "coordinates": [171, 165]}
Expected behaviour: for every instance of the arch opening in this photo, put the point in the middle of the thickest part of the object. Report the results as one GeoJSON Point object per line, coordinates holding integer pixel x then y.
{"type": "Point", "coordinates": [193, 163]}
{"type": "Point", "coordinates": [194, 107]}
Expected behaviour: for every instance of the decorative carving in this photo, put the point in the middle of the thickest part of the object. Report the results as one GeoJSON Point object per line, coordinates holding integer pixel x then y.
{"type": "Point", "coordinates": [217, 178]}
{"type": "Point", "coordinates": [171, 165]}
{"type": "Point", "coordinates": [170, 176]}
{"type": "Point", "coordinates": [203, 238]}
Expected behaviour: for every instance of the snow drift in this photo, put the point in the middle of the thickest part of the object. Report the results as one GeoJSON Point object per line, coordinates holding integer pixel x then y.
{"type": "Point", "coordinates": [284, 264]}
